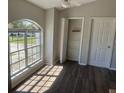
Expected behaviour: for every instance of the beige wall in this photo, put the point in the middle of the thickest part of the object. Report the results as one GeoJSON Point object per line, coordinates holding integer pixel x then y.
{"type": "Point", "coordinates": [51, 36]}
{"type": "Point", "coordinates": [98, 8]}
{"type": "Point", "coordinates": [49, 25]}
{"type": "Point", "coordinates": [19, 9]}
{"type": "Point", "coordinates": [56, 37]}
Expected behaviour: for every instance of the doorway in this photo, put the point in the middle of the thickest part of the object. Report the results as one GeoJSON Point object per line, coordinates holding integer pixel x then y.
{"type": "Point", "coordinates": [71, 39]}
{"type": "Point", "coordinates": [74, 36]}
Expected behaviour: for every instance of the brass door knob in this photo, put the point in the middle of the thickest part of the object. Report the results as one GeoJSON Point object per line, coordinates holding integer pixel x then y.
{"type": "Point", "coordinates": [109, 46]}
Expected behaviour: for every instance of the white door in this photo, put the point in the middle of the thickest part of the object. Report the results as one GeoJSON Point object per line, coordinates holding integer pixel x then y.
{"type": "Point", "coordinates": [64, 36]}
{"type": "Point", "coordinates": [102, 38]}
{"type": "Point", "coordinates": [74, 37]}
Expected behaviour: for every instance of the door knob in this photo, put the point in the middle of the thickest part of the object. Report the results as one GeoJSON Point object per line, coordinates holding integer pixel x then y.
{"type": "Point", "coordinates": [109, 46]}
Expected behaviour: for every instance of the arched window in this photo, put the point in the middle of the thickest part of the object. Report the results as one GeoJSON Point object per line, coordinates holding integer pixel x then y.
{"type": "Point", "coordinates": [25, 45]}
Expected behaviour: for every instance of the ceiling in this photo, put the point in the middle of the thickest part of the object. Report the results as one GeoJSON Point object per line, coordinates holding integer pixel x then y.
{"type": "Point", "coordinates": [46, 4]}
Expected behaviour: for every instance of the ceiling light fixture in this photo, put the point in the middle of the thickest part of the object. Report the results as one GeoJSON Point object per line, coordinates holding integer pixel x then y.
{"type": "Point", "coordinates": [66, 3]}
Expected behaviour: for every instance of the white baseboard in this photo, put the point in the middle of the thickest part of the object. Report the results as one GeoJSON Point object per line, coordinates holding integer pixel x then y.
{"type": "Point", "coordinates": [112, 69]}
{"type": "Point", "coordinates": [82, 64]}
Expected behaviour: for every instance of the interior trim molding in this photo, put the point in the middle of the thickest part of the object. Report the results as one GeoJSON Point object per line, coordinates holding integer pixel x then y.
{"type": "Point", "coordinates": [82, 64]}
{"type": "Point", "coordinates": [112, 68]}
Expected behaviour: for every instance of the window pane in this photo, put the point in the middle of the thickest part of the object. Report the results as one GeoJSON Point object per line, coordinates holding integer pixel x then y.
{"type": "Point", "coordinates": [33, 40]}
{"type": "Point", "coordinates": [37, 35]}
{"type": "Point", "coordinates": [30, 60]}
{"type": "Point", "coordinates": [10, 58]}
{"type": "Point", "coordinates": [14, 36]}
{"type": "Point", "coordinates": [33, 34]}
{"type": "Point", "coordinates": [37, 41]}
{"type": "Point", "coordinates": [21, 55]}
{"type": "Point", "coordinates": [21, 35]}
{"type": "Point", "coordinates": [11, 72]}
{"type": "Point", "coordinates": [34, 57]}
{"type": "Point", "coordinates": [20, 45]}
{"type": "Point", "coordinates": [15, 57]}
{"type": "Point", "coordinates": [37, 38]}
{"type": "Point", "coordinates": [10, 37]}
{"type": "Point", "coordinates": [29, 37]}
{"type": "Point", "coordinates": [30, 52]}
{"type": "Point", "coordinates": [22, 64]}
{"type": "Point", "coordinates": [34, 50]}
{"type": "Point", "coordinates": [38, 49]}
{"type": "Point", "coordinates": [13, 46]}
{"type": "Point", "coordinates": [29, 43]}
{"type": "Point", "coordinates": [15, 67]}
{"type": "Point", "coordinates": [37, 56]}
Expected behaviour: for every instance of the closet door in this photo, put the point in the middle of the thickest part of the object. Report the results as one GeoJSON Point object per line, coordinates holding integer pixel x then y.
{"type": "Point", "coordinates": [102, 39]}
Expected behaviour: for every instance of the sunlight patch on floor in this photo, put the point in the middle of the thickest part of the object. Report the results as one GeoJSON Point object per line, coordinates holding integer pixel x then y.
{"type": "Point", "coordinates": [42, 80]}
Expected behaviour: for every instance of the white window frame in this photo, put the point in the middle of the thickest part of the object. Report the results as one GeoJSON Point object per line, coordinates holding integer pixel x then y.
{"type": "Point", "coordinates": [25, 31]}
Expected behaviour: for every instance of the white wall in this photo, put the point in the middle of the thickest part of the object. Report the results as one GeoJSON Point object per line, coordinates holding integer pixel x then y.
{"type": "Point", "coordinates": [49, 25]}
{"type": "Point", "coordinates": [51, 36]}
{"type": "Point", "coordinates": [56, 32]}
{"type": "Point", "coordinates": [19, 9]}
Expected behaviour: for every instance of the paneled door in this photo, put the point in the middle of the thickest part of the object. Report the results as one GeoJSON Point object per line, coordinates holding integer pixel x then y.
{"type": "Point", "coordinates": [102, 39]}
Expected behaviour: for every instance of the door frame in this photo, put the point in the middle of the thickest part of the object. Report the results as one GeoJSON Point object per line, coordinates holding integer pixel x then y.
{"type": "Point", "coordinates": [90, 40]}
{"type": "Point", "coordinates": [63, 40]}
{"type": "Point", "coordinates": [81, 36]}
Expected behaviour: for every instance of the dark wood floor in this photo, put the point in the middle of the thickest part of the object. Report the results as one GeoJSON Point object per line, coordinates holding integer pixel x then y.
{"type": "Point", "coordinates": [80, 79]}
